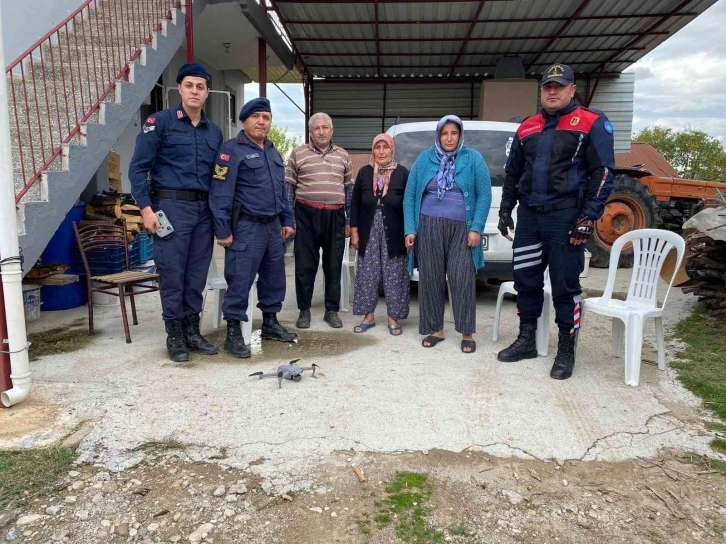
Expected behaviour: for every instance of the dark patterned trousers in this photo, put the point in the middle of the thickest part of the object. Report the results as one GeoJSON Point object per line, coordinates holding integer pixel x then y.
{"type": "Point", "coordinates": [442, 252]}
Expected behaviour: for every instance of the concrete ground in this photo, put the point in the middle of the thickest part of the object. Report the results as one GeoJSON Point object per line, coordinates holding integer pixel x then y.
{"type": "Point", "coordinates": [375, 393]}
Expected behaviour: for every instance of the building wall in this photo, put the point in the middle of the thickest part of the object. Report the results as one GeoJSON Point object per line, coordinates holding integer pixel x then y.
{"type": "Point", "coordinates": [24, 21]}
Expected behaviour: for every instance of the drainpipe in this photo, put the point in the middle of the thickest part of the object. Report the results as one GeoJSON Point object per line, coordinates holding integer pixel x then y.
{"type": "Point", "coordinates": [12, 274]}
{"type": "Point", "coordinates": [189, 19]}
{"type": "Point", "coordinates": [5, 382]}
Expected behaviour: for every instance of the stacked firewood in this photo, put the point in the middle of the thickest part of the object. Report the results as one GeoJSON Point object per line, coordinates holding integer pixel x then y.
{"type": "Point", "coordinates": [108, 207]}
{"type": "Point", "coordinates": [706, 266]}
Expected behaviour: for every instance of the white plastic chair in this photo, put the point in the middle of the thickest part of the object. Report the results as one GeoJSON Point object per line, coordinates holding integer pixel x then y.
{"type": "Point", "coordinates": [543, 323]}
{"type": "Point", "coordinates": [414, 277]}
{"type": "Point", "coordinates": [347, 276]}
{"type": "Point", "coordinates": [217, 284]}
{"type": "Point", "coordinates": [650, 248]}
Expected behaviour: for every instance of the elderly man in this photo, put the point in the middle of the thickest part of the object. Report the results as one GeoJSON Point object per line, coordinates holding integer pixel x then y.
{"type": "Point", "coordinates": [171, 170]}
{"type": "Point", "coordinates": [251, 219]}
{"type": "Point", "coordinates": [560, 170]}
{"type": "Point", "coordinates": [319, 178]}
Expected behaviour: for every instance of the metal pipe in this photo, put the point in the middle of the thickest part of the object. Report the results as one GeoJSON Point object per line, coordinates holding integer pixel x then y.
{"type": "Point", "coordinates": [190, 30]}
{"type": "Point", "coordinates": [262, 65]}
{"type": "Point", "coordinates": [5, 382]}
{"type": "Point", "coordinates": [10, 268]}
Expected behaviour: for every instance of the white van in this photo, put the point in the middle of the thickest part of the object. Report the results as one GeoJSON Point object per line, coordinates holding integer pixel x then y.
{"type": "Point", "coordinates": [493, 141]}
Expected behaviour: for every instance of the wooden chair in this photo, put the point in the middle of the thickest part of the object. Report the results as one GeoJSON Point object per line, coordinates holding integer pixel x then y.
{"type": "Point", "coordinates": [106, 236]}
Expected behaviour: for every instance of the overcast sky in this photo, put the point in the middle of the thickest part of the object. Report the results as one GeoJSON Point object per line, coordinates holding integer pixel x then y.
{"type": "Point", "coordinates": [681, 83]}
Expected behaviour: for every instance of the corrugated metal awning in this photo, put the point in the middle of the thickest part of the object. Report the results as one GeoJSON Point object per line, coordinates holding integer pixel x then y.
{"type": "Point", "coordinates": [459, 38]}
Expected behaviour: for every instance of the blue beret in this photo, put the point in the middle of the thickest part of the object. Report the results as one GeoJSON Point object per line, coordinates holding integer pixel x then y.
{"type": "Point", "coordinates": [253, 106]}
{"type": "Point", "coordinates": [192, 69]}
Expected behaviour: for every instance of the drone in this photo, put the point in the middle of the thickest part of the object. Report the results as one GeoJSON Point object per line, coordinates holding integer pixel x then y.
{"type": "Point", "coordinates": [287, 372]}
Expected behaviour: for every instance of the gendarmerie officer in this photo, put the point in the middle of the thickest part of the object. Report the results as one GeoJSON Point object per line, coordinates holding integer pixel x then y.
{"type": "Point", "coordinates": [171, 170]}
{"type": "Point", "coordinates": [252, 217]}
{"type": "Point", "coordinates": [560, 169]}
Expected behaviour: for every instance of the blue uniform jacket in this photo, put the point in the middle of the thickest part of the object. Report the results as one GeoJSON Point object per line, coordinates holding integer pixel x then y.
{"type": "Point", "coordinates": [254, 176]}
{"type": "Point", "coordinates": [557, 157]}
{"type": "Point", "coordinates": [472, 177]}
{"type": "Point", "coordinates": [173, 153]}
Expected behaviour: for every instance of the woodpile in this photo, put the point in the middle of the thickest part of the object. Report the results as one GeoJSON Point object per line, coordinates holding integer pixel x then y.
{"type": "Point", "coordinates": [706, 265]}
{"type": "Point", "coordinates": [108, 208]}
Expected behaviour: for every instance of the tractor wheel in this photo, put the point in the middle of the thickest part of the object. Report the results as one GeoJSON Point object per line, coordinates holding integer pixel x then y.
{"type": "Point", "coordinates": [630, 207]}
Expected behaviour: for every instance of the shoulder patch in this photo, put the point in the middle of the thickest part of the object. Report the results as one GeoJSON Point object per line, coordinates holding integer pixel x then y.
{"type": "Point", "coordinates": [220, 172]}
{"type": "Point", "coordinates": [224, 157]}
{"type": "Point", "coordinates": [608, 127]}
{"type": "Point", "coordinates": [151, 120]}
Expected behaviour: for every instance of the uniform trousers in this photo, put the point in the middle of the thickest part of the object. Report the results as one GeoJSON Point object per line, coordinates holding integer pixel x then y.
{"type": "Point", "coordinates": [542, 240]}
{"type": "Point", "coordinates": [256, 251]}
{"type": "Point", "coordinates": [442, 252]}
{"type": "Point", "coordinates": [376, 266]}
{"type": "Point", "coordinates": [182, 258]}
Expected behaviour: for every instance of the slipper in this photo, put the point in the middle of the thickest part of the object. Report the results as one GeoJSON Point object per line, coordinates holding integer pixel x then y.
{"type": "Point", "coordinates": [432, 340]}
{"type": "Point", "coordinates": [468, 344]}
{"type": "Point", "coordinates": [395, 330]}
{"type": "Point", "coordinates": [363, 327]}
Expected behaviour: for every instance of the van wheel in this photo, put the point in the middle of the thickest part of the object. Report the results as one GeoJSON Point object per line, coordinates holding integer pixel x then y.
{"type": "Point", "coordinates": [630, 207]}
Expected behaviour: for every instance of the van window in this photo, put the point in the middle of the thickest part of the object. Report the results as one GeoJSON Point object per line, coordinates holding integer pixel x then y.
{"type": "Point", "coordinates": [493, 145]}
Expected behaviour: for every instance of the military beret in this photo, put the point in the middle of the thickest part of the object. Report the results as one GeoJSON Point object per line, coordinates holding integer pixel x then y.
{"type": "Point", "coordinates": [192, 69]}
{"type": "Point", "coordinates": [253, 106]}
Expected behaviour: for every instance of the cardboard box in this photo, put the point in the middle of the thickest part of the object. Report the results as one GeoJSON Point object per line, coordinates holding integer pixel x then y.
{"type": "Point", "coordinates": [113, 160]}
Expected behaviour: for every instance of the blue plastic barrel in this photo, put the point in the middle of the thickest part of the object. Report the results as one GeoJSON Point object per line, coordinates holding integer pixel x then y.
{"type": "Point", "coordinates": [62, 249]}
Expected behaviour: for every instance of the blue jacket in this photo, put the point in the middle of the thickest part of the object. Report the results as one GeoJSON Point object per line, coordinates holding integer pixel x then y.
{"type": "Point", "coordinates": [256, 177]}
{"type": "Point", "coordinates": [175, 153]}
{"type": "Point", "coordinates": [472, 177]}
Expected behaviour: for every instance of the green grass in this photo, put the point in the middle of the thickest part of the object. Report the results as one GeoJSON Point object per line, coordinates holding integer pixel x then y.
{"type": "Point", "coordinates": [715, 427]}
{"type": "Point", "coordinates": [719, 445]}
{"type": "Point", "coordinates": [457, 530]}
{"type": "Point", "coordinates": [406, 507]}
{"type": "Point", "coordinates": [165, 444]}
{"type": "Point", "coordinates": [703, 371]}
{"type": "Point", "coordinates": [26, 474]}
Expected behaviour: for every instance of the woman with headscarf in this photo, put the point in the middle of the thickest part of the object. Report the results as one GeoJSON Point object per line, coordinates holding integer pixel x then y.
{"type": "Point", "coordinates": [376, 231]}
{"type": "Point", "coordinates": [446, 204]}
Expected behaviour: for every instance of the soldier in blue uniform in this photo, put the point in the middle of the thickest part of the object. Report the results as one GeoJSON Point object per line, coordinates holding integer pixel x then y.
{"type": "Point", "coordinates": [171, 170]}
{"type": "Point", "coordinates": [252, 217]}
{"type": "Point", "coordinates": [560, 170]}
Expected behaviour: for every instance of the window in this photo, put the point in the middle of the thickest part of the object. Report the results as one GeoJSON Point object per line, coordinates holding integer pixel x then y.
{"type": "Point", "coordinates": [493, 145]}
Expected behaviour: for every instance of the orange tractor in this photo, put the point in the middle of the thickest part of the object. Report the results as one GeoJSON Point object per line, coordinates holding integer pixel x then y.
{"type": "Point", "coordinates": [648, 194]}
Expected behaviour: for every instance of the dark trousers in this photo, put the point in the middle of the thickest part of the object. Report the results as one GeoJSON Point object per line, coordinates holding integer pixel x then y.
{"type": "Point", "coordinates": [541, 240]}
{"type": "Point", "coordinates": [182, 259]}
{"type": "Point", "coordinates": [256, 250]}
{"type": "Point", "coordinates": [316, 229]}
{"type": "Point", "coordinates": [442, 252]}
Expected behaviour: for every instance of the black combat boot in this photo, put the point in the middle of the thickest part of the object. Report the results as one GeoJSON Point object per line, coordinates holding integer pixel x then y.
{"type": "Point", "coordinates": [194, 339]}
{"type": "Point", "coordinates": [234, 344]}
{"type": "Point", "coordinates": [565, 359]}
{"type": "Point", "coordinates": [175, 345]}
{"type": "Point", "coordinates": [524, 347]}
{"type": "Point", "coordinates": [271, 329]}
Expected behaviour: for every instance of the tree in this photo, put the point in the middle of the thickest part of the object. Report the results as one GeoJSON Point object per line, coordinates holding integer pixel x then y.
{"type": "Point", "coordinates": [693, 153]}
{"type": "Point", "coordinates": [283, 143]}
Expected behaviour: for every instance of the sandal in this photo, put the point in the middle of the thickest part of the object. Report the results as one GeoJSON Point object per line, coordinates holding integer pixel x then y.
{"type": "Point", "coordinates": [395, 330]}
{"type": "Point", "coordinates": [363, 327]}
{"type": "Point", "coordinates": [432, 340]}
{"type": "Point", "coordinates": [468, 344]}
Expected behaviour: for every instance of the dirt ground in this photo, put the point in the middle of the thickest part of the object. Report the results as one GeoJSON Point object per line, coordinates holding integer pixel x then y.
{"type": "Point", "coordinates": [476, 498]}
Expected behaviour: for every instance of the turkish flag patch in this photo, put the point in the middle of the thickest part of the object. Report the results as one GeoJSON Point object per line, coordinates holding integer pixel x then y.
{"type": "Point", "coordinates": [224, 156]}
{"type": "Point", "coordinates": [151, 120]}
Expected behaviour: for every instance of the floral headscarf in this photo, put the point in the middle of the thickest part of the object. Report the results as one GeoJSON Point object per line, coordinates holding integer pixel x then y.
{"type": "Point", "coordinates": [447, 167]}
{"type": "Point", "coordinates": [382, 173]}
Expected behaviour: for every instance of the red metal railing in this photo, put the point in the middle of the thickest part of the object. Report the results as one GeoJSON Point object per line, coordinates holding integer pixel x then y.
{"type": "Point", "coordinates": [58, 83]}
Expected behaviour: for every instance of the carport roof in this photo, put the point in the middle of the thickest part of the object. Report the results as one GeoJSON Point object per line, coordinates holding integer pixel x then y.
{"type": "Point", "coordinates": [459, 38]}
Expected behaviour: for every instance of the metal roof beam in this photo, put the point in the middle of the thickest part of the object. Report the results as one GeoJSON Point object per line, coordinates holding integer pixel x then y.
{"type": "Point", "coordinates": [495, 21]}
{"type": "Point", "coordinates": [465, 43]}
{"type": "Point", "coordinates": [296, 53]}
{"type": "Point", "coordinates": [446, 67]}
{"type": "Point", "coordinates": [561, 31]}
{"type": "Point", "coordinates": [645, 34]}
{"type": "Point", "coordinates": [485, 39]}
{"type": "Point", "coordinates": [451, 54]}
{"type": "Point", "coordinates": [378, 45]}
